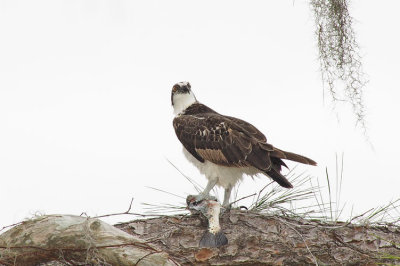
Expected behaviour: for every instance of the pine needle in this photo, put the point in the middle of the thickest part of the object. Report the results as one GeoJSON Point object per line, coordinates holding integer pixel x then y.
{"type": "Point", "coordinates": [194, 183]}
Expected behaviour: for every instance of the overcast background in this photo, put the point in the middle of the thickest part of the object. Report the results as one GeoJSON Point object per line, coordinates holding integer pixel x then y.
{"type": "Point", "coordinates": [85, 115]}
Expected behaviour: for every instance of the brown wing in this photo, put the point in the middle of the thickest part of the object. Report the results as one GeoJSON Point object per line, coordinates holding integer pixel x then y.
{"type": "Point", "coordinates": [250, 129]}
{"type": "Point", "coordinates": [222, 140]}
{"type": "Point", "coordinates": [229, 141]}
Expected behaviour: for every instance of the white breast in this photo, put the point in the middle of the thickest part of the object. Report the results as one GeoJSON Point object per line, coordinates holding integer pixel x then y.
{"type": "Point", "coordinates": [226, 176]}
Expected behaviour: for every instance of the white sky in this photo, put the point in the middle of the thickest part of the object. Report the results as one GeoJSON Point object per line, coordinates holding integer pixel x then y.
{"type": "Point", "coordinates": [85, 115]}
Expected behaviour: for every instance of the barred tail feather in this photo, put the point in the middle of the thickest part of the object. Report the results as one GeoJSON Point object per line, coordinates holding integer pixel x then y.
{"type": "Point", "coordinates": [292, 156]}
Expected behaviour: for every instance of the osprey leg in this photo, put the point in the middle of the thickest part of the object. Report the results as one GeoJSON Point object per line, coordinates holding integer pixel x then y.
{"type": "Point", "coordinates": [206, 192]}
{"type": "Point", "coordinates": [210, 185]}
{"type": "Point", "coordinates": [227, 196]}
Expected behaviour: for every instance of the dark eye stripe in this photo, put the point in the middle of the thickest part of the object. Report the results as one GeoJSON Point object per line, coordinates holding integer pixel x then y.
{"type": "Point", "coordinates": [175, 88]}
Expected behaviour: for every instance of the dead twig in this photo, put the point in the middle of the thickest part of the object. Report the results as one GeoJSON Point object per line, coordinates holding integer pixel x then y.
{"type": "Point", "coordinates": [11, 225]}
{"type": "Point", "coordinates": [127, 212]}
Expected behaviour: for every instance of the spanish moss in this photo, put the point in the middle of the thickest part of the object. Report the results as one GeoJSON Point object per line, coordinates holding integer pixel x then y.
{"type": "Point", "coordinates": [339, 56]}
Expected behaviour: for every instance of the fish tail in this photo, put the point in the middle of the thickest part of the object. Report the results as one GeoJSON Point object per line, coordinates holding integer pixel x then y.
{"type": "Point", "coordinates": [213, 240]}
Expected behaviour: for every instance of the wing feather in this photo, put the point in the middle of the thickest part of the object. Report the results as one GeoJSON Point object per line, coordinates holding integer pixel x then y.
{"type": "Point", "coordinates": [229, 141]}
{"type": "Point", "coordinates": [249, 128]}
{"type": "Point", "coordinates": [218, 139]}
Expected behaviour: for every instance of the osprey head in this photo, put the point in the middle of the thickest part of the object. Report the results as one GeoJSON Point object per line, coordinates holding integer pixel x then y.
{"type": "Point", "coordinates": [182, 96]}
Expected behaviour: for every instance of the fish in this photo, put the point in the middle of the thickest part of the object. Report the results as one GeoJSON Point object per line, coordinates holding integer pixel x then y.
{"type": "Point", "coordinates": [210, 209]}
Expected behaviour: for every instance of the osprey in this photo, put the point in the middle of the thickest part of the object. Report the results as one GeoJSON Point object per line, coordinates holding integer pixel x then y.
{"type": "Point", "coordinates": [224, 148]}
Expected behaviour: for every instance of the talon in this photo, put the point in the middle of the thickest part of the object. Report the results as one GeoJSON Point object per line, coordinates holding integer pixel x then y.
{"type": "Point", "coordinates": [209, 197]}
{"type": "Point", "coordinates": [225, 209]}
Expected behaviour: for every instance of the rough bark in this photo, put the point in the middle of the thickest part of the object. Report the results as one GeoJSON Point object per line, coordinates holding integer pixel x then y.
{"type": "Point", "coordinates": [75, 240]}
{"type": "Point", "coordinates": [253, 239]}
{"type": "Point", "coordinates": [266, 240]}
